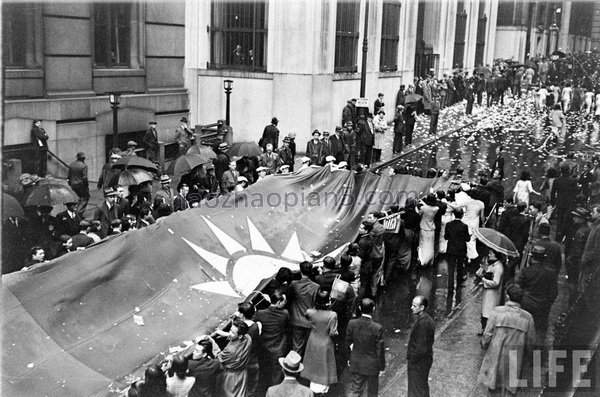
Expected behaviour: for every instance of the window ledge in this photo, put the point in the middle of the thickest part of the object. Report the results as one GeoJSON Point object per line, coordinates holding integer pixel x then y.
{"type": "Point", "coordinates": [24, 73]}
{"type": "Point", "coordinates": [236, 73]}
{"type": "Point", "coordinates": [389, 74]}
{"type": "Point", "coordinates": [119, 72]}
{"type": "Point", "coordinates": [346, 76]}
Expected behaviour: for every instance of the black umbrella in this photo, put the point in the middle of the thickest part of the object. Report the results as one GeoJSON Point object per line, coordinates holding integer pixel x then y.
{"type": "Point", "coordinates": [135, 162]}
{"type": "Point", "coordinates": [131, 176]}
{"type": "Point", "coordinates": [241, 149]}
{"type": "Point", "coordinates": [203, 151]}
{"type": "Point", "coordinates": [51, 194]}
{"type": "Point", "coordinates": [11, 207]}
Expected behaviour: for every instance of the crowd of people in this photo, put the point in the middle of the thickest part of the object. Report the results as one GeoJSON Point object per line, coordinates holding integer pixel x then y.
{"type": "Point", "coordinates": [320, 319]}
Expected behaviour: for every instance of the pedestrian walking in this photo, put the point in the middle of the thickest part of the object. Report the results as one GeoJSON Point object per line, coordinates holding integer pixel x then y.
{"type": "Point", "coordinates": [491, 272]}
{"type": "Point", "coordinates": [510, 330]}
{"type": "Point", "coordinates": [365, 337]}
{"type": "Point", "coordinates": [457, 234]}
{"type": "Point", "coordinates": [78, 180]}
{"type": "Point", "coordinates": [184, 136]}
{"type": "Point", "coordinates": [302, 296]}
{"type": "Point", "coordinates": [419, 353]}
{"type": "Point", "coordinates": [380, 127]}
{"type": "Point", "coordinates": [410, 117]}
{"type": "Point", "coordinates": [398, 129]}
{"type": "Point", "coordinates": [291, 367]}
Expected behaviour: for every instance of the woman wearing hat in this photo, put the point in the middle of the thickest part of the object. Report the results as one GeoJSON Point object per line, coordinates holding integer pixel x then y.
{"type": "Point", "coordinates": [428, 210]}
{"type": "Point", "coordinates": [319, 358]}
{"type": "Point", "coordinates": [491, 272]}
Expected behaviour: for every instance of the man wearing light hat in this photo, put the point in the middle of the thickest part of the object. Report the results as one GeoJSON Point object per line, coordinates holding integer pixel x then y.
{"type": "Point", "coordinates": [315, 149]}
{"type": "Point", "coordinates": [262, 172]}
{"type": "Point", "coordinates": [305, 163]}
{"type": "Point", "coordinates": [292, 367]}
{"type": "Point", "coordinates": [107, 211]}
{"type": "Point", "coordinates": [150, 142]}
{"type": "Point", "coordinates": [131, 146]}
{"type": "Point", "coordinates": [164, 194]}
{"type": "Point", "coordinates": [284, 169]}
{"type": "Point", "coordinates": [78, 180]}
{"type": "Point", "coordinates": [184, 136]}
{"type": "Point", "coordinates": [107, 172]}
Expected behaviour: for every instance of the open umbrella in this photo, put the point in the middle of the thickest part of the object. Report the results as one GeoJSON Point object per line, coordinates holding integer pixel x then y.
{"type": "Point", "coordinates": [496, 241]}
{"type": "Point", "coordinates": [412, 98]}
{"type": "Point", "coordinates": [240, 149]}
{"type": "Point", "coordinates": [135, 162]}
{"type": "Point", "coordinates": [11, 207]}
{"type": "Point", "coordinates": [131, 176]}
{"type": "Point", "coordinates": [203, 151]}
{"type": "Point", "coordinates": [51, 194]}
{"type": "Point", "coordinates": [185, 164]}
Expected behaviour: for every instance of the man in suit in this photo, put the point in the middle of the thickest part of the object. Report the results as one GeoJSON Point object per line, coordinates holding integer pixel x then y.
{"type": "Point", "coordinates": [81, 239]}
{"type": "Point", "coordinates": [15, 244]}
{"type": "Point", "coordinates": [180, 202]}
{"type": "Point", "coordinates": [270, 159]}
{"type": "Point", "coordinates": [270, 135]}
{"type": "Point", "coordinates": [39, 141]}
{"type": "Point", "coordinates": [184, 136]}
{"type": "Point", "coordinates": [302, 296]}
{"type": "Point", "coordinates": [150, 142]}
{"type": "Point", "coordinates": [164, 195]}
{"type": "Point", "coordinates": [378, 103]}
{"type": "Point", "coordinates": [221, 163]}
{"type": "Point", "coordinates": [68, 220]}
{"type": "Point", "coordinates": [78, 180]}
{"type": "Point", "coordinates": [457, 234]}
{"type": "Point", "coordinates": [315, 149]}
{"type": "Point", "coordinates": [365, 338]}
{"type": "Point", "coordinates": [419, 353]}
{"type": "Point", "coordinates": [107, 211]}
{"type": "Point", "coordinates": [292, 367]}
{"type": "Point", "coordinates": [230, 178]}
{"type": "Point", "coordinates": [285, 154]}
{"type": "Point", "coordinates": [336, 145]}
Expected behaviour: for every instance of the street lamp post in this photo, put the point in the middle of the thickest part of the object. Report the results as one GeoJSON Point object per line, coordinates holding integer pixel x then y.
{"type": "Point", "coordinates": [228, 85]}
{"type": "Point", "coordinates": [365, 48]}
{"type": "Point", "coordinates": [115, 100]}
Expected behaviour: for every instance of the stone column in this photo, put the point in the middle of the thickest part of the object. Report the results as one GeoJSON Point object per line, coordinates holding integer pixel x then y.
{"type": "Point", "coordinates": [563, 35]}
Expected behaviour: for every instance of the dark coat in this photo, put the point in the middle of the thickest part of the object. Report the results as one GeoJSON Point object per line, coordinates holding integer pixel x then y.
{"type": "Point", "coordinates": [81, 240]}
{"type": "Point", "coordinates": [205, 371]}
{"type": "Point", "coordinates": [39, 138]}
{"type": "Point", "coordinates": [105, 216]}
{"type": "Point", "coordinates": [270, 135]}
{"type": "Point", "coordinates": [316, 152]}
{"type": "Point", "coordinates": [540, 288]}
{"type": "Point", "coordinates": [518, 230]}
{"type": "Point", "coordinates": [150, 140]}
{"type": "Point", "coordinates": [368, 352]}
{"type": "Point", "coordinates": [78, 178]}
{"type": "Point", "coordinates": [221, 165]}
{"type": "Point", "coordinates": [66, 224]}
{"type": "Point", "coordinates": [302, 297]}
{"type": "Point", "coordinates": [564, 191]}
{"type": "Point", "coordinates": [273, 337]}
{"type": "Point", "coordinates": [457, 234]}
{"type": "Point", "coordinates": [420, 341]}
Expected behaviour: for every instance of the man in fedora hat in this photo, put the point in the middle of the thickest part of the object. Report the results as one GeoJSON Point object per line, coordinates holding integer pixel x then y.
{"type": "Point", "coordinates": [131, 147]}
{"type": "Point", "coordinates": [107, 211]}
{"type": "Point", "coordinates": [150, 142]}
{"type": "Point", "coordinates": [78, 180]}
{"type": "Point", "coordinates": [292, 367]}
{"type": "Point", "coordinates": [107, 172]}
{"type": "Point", "coordinates": [184, 136]}
{"type": "Point", "coordinates": [164, 195]}
{"type": "Point", "coordinates": [576, 244]}
{"type": "Point", "coordinates": [540, 288]}
{"type": "Point", "coordinates": [67, 222]}
{"type": "Point", "coordinates": [270, 135]}
{"type": "Point", "coordinates": [285, 153]}
{"type": "Point", "coordinates": [315, 150]}
{"type": "Point", "coordinates": [222, 161]}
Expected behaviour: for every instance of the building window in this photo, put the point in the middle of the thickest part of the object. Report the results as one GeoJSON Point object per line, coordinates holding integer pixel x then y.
{"type": "Point", "coordinates": [112, 33]}
{"type": "Point", "coordinates": [390, 37]}
{"type": "Point", "coordinates": [346, 36]}
{"type": "Point", "coordinates": [239, 35]}
{"type": "Point", "coordinates": [18, 34]}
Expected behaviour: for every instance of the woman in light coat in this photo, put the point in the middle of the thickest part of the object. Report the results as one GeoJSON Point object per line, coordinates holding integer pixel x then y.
{"type": "Point", "coordinates": [491, 272]}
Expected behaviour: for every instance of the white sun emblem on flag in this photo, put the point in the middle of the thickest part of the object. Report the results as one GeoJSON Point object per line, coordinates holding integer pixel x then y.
{"type": "Point", "coordinates": [246, 267]}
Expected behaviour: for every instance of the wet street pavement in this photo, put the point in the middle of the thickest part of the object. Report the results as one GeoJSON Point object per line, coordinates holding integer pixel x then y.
{"type": "Point", "coordinates": [457, 351]}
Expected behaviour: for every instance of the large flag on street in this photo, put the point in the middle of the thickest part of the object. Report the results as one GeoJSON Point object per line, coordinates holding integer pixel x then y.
{"type": "Point", "coordinates": [87, 323]}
